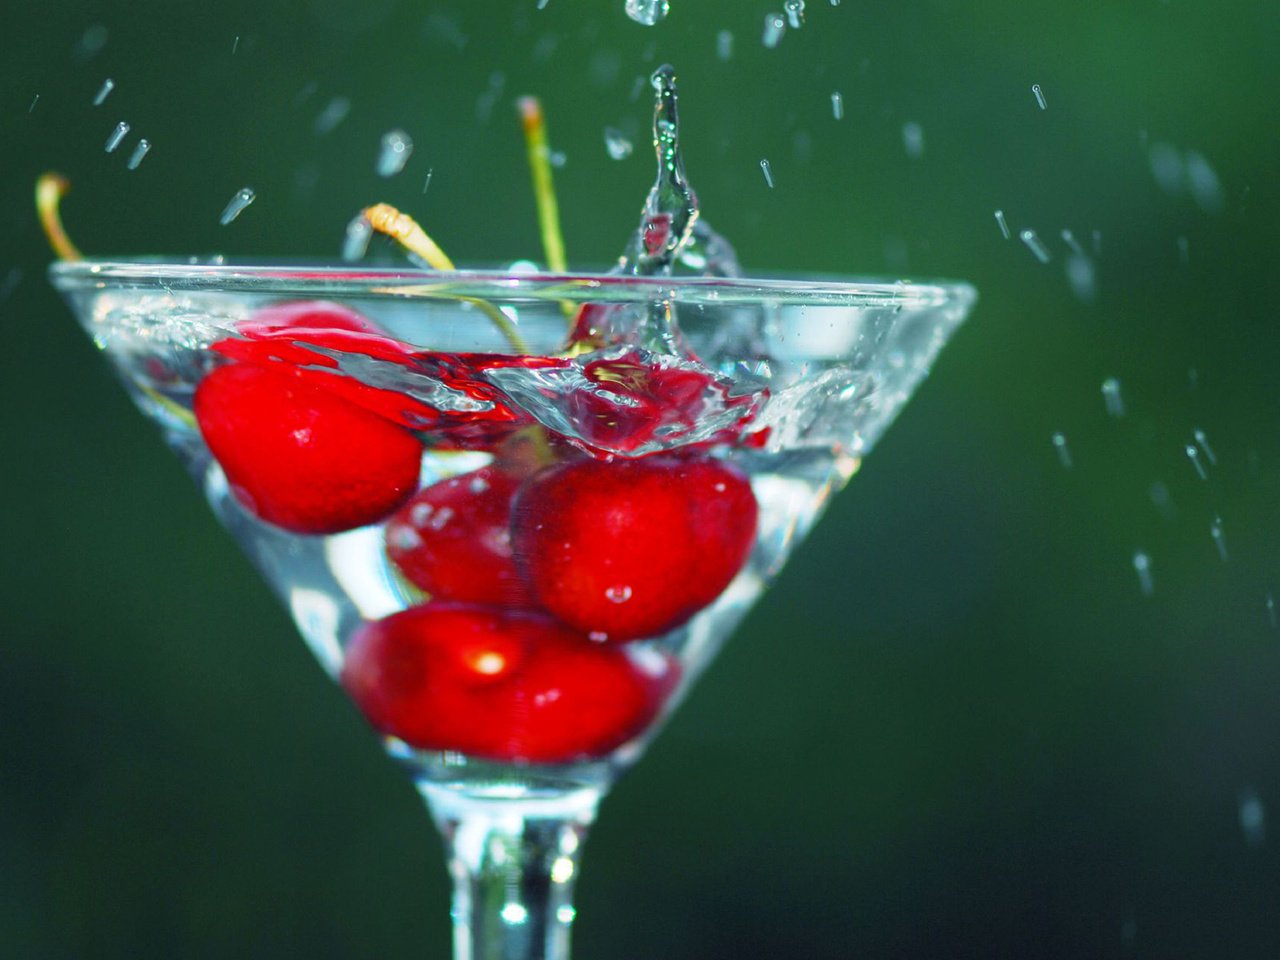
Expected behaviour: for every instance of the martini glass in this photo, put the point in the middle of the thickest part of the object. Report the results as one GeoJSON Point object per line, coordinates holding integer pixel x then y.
{"type": "Point", "coordinates": [515, 557]}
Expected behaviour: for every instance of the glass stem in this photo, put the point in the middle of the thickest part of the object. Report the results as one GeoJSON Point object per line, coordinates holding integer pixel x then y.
{"type": "Point", "coordinates": [514, 863]}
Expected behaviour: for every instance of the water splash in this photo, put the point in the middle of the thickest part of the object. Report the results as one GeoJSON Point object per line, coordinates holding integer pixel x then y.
{"type": "Point", "coordinates": [647, 12]}
{"type": "Point", "coordinates": [139, 153]}
{"type": "Point", "coordinates": [1059, 441]}
{"type": "Point", "coordinates": [1003, 224]}
{"type": "Point", "coordinates": [104, 91]}
{"type": "Point", "coordinates": [775, 25]}
{"type": "Point", "coordinates": [397, 147]}
{"type": "Point", "coordinates": [1142, 567]}
{"type": "Point", "coordinates": [1112, 398]}
{"type": "Point", "coordinates": [117, 136]}
{"type": "Point", "coordinates": [244, 196]}
{"type": "Point", "coordinates": [1039, 95]}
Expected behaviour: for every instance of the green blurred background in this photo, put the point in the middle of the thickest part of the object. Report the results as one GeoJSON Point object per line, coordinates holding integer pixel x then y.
{"type": "Point", "coordinates": [955, 728]}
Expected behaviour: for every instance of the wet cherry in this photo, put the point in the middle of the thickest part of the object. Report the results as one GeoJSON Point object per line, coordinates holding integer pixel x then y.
{"type": "Point", "coordinates": [632, 548]}
{"type": "Point", "coordinates": [299, 456]}
{"type": "Point", "coordinates": [502, 684]}
{"type": "Point", "coordinates": [453, 539]}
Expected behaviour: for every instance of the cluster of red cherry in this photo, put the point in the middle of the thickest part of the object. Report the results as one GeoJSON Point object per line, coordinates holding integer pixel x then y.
{"type": "Point", "coordinates": [539, 567]}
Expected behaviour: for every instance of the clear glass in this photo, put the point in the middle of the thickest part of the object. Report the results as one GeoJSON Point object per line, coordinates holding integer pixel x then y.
{"type": "Point", "coordinates": [514, 547]}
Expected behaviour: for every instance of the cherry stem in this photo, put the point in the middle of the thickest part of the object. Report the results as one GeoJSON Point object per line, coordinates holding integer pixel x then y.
{"type": "Point", "coordinates": [544, 193]}
{"type": "Point", "coordinates": [402, 228]}
{"type": "Point", "coordinates": [50, 189]}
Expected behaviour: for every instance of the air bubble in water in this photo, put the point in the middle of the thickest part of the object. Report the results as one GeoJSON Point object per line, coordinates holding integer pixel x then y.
{"type": "Point", "coordinates": [1142, 567]}
{"type": "Point", "coordinates": [1271, 611]}
{"type": "Point", "coordinates": [837, 105]}
{"type": "Point", "coordinates": [1060, 445]}
{"type": "Point", "coordinates": [616, 142]}
{"type": "Point", "coordinates": [1002, 224]}
{"type": "Point", "coordinates": [724, 45]}
{"type": "Point", "coordinates": [356, 241]}
{"type": "Point", "coordinates": [1112, 398]}
{"type": "Point", "coordinates": [139, 152]}
{"type": "Point", "coordinates": [396, 148]}
{"type": "Point", "coordinates": [1167, 168]}
{"type": "Point", "coordinates": [1036, 245]}
{"type": "Point", "coordinates": [618, 594]}
{"type": "Point", "coordinates": [1039, 95]}
{"type": "Point", "coordinates": [775, 25]}
{"type": "Point", "coordinates": [768, 173]}
{"type": "Point", "coordinates": [795, 13]}
{"type": "Point", "coordinates": [1069, 239]}
{"type": "Point", "coordinates": [104, 91]}
{"type": "Point", "coordinates": [913, 139]}
{"type": "Point", "coordinates": [117, 136]}
{"type": "Point", "coordinates": [1160, 499]}
{"type": "Point", "coordinates": [647, 12]}
{"type": "Point", "coordinates": [244, 196]}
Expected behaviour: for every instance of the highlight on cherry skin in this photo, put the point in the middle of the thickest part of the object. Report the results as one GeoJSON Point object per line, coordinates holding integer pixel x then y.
{"type": "Point", "coordinates": [537, 574]}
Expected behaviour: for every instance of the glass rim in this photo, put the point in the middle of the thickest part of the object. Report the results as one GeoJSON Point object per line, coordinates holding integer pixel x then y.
{"type": "Point", "coordinates": [319, 279]}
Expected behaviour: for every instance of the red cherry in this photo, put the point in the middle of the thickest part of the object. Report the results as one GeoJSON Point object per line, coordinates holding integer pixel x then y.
{"type": "Point", "coordinates": [299, 456]}
{"type": "Point", "coordinates": [511, 685]}
{"type": "Point", "coordinates": [632, 548]}
{"type": "Point", "coordinates": [453, 539]}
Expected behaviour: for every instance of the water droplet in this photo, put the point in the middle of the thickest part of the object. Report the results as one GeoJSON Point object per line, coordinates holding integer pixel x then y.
{"type": "Point", "coordinates": [1142, 567]}
{"type": "Point", "coordinates": [1206, 188]}
{"type": "Point", "coordinates": [235, 45]}
{"type": "Point", "coordinates": [1069, 239]}
{"type": "Point", "coordinates": [837, 105]}
{"type": "Point", "coordinates": [34, 101]}
{"type": "Point", "coordinates": [117, 136]}
{"type": "Point", "coordinates": [768, 173]}
{"type": "Point", "coordinates": [724, 45]}
{"type": "Point", "coordinates": [1039, 95]}
{"type": "Point", "coordinates": [427, 182]}
{"type": "Point", "coordinates": [1271, 611]}
{"type": "Point", "coordinates": [1219, 537]}
{"type": "Point", "coordinates": [397, 146]}
{"type": "Point", "coordinates": [616, 143]}
{"type": "Point", "coordinates": [795, 13]}
{"type": "Point", "coordinates": [333, 114]}
{"type": "Point", "coordinates": [1097, 243]}
{"type": "Point", "coordinates": [1166, 166]}
{"type": "Point", "coordinates": [542, 4]}
{"type": "Point", "coordinates": [1193, 455]}
{"type": "Point", "coordinates": [1082, 278]}
{"type": "Point", "coordinates": [1036, 245]}
{"type": "Point", "coordinates": [1060, 444]}
{"type": "Point", "coordinates": [913, 139]}
{"type": "Point", "coordinates": [557, 158]}
{"type": "Point", "coordinates": [440, 519]}
{"type": "Point", "coordinates": [104, 91]}
{"type": "Point", "coordinates": [647, 12]}
{"type": "Point", "coordinates": [244, 196]}
{"type": "Point", "coordinates": [1159, 494]}
{"type": "Point", "coordinates": [1253, 818]}
{"type": "Point", "coordinates": [619, 593]}
{"type": "Point", "coordinates": [10, 284]}
{"type": "Point", "coordinates": [90, 43]}
{"type": "Point", "coordinates": [355, 243]}
{"type": "Point", "coordinates": [1203, 441]}
{"type": "Point", "coordinates": [775, 25]}
{"type": "Point", "coordinates": [1111, 396]}
{"type": "Point", "coordinates": [478, 485]}
{"type": "Point", "coordinates": [1002, 224]}
{"type": "Point", "coordinates": [139, 152]}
